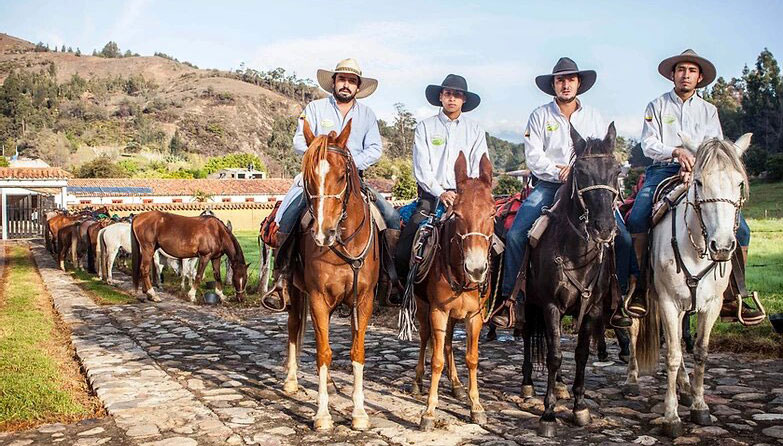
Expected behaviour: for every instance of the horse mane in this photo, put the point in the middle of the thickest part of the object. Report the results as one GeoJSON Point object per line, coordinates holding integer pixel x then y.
{"type": "Point", "coordinates": [314, 155]}
{"type": "Point", "coordinates": [724, 155]}
{"type": "Point", "coordinates": [592, 146]}
{"type": "Point", "coordinates": [232, 237]}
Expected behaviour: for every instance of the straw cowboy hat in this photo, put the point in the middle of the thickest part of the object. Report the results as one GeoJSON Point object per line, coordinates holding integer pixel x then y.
{"type": "Point", "coordinates": [453, 82]}
{"type": "Point", "coordinates": [563, 67]}
{"type": "Point", "coordinates": [666, 67]}
{"type": "Point", "coordinates": [350, 66]}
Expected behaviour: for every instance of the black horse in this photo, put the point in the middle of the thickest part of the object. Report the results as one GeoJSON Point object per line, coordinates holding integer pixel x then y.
{"type": "Point", "coordinates": [571, 272]}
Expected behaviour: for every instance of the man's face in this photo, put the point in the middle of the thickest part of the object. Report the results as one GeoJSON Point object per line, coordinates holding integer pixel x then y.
{"type": "Point", "coordinates": [566, 86]}
{"type": "Point", "coordinates": [452, 100]}
{"type": "Point", "coordinates": [686, 76]}
{"type": "Point", "coordinates": [346, 86]}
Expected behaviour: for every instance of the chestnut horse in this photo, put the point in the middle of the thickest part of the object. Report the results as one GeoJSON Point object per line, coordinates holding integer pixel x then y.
{"type": "Point", "coordinates": [456, 287]}
{"type": "Point", "coordinates": [340, 264]}
{"type": "Point", "coordinates": [184, 237]}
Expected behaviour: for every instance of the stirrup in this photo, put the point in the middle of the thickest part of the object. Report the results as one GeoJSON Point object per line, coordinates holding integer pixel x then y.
{"type": "Point", "coordinates": [277, 289]}
{"type": "Point", "coordinates": [749, 322]}
{"type": "Point", "coordinates": [637, 312]}
{"type": "Point", "coordinates": [623, 321]}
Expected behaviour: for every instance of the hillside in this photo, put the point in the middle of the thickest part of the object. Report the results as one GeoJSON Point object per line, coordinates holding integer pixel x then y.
{"type": "Point", "coordinates": [70, 108]}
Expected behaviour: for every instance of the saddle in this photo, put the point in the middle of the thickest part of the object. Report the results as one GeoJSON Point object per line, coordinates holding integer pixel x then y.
{"type": "Point", "coordinates": [268, 231]}
{"type": "Point", "coordinates": [668, 193]}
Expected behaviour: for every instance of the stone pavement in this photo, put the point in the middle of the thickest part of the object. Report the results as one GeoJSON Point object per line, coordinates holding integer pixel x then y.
{"type": "Point", "coordinates": [175, 373]}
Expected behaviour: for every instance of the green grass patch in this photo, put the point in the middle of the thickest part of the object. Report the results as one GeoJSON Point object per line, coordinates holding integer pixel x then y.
{"type": "Point", "coordinates": [32, 386]}
{"type": "Point", "coordinates": [766, 200]}
{"type": "Point", "coordinates": [103, 293]}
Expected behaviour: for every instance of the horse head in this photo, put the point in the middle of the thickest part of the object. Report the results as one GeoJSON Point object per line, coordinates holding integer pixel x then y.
{"type": "Point", "coordinates": [593, 184]}
{"type": "Point", "coordinates": [717, 192]}
{"type": "Point", "coordinates": [330, 177]}
{"type": "Point", "coordinates": [239, 277]}
{"type": "Point", "coordinates": [474, 217]}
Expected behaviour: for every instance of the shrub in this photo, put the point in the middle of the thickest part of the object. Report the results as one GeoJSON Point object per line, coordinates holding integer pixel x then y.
{"type": "Point", "coordinates": [775, 167]}
{"type": "Point", "coordinates": [507, 185]}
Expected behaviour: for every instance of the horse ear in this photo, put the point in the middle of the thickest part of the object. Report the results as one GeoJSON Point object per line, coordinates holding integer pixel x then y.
{"type": "Point", "coordinates": [743, 143]}
{"type": "Point", "coordinates": [611, 136]}
{"type": "Point", "coordinates": [579, 142]}
{"type": "Point", "coordinates": [343, 138]}
{"type": "Point", "coordinates": [461, 168]}
{"type": "Point", "coordinates": [485, 170]}
{"type": "Point", "coordinates": [308, 134]}
{"type": "Point", "coordinates": [688, 143]}
{"type": "Point", "coordinates": [229, 226]}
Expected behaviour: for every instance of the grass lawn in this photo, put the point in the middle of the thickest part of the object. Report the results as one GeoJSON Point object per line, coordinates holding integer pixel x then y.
{"type": "Point", "coordinates": [104, 294]}
{"type": "Point", "coordinates": [39, 381]}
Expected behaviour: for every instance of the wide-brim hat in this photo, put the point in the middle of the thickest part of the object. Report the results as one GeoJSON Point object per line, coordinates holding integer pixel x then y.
{"type": "Point", "coordinates": [350, 66]}
{"type": "Point", "coordinates": [666, 67]}
{"type": "Point", "coordinates": [563, 67]}
{"type": "Point", "coordinates": [453, 82]}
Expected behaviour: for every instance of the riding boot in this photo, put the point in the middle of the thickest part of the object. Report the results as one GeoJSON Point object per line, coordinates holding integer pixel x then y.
{"type": "Point", "coordinates": [276, 299]}
{"type": "Point", "coordinates": [735, 293]}
{"type": "Point", "coordinates": [620, 319]}
{"type": "Point", "coordinates": [636, 302]}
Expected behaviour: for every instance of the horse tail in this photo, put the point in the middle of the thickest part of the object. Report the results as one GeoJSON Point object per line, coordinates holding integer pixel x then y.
{"type": "Point", "coordinates": [135, 257]}
{"type": "Point", "coordinates": [534, 320]}
{"type": "Point", "coordinates": [648, 342]}
{"type": "Point", "coordinates": [47, 237]}
{"type": "Point", "coordinates": [75, 246]}
{"type": "Point", "coordinates": [90, 254]}
{"type": "Point", "coordinates": [103, 255]}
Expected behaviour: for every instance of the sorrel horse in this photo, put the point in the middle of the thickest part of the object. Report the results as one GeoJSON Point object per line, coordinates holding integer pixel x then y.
{"type": "Point", "coordinates": [571, 271]}
{"type": "Point", "coordinates": [456, 287]}
{"type": "Point", "coordinates": [340, 264]}
{"type": "Point", "coordinates": [183, 237]}
{"type": "Point", "coordinates": [691, 249]}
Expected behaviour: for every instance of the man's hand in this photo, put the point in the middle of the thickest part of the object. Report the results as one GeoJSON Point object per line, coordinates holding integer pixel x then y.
{"type": "Point", "coordinates": [448, 197]}
{"type": "Point", "coordinates": [564, 170]}
{"type": "Point", "coordinates": [685, 157]}
{"type": "Point", "coordinates": [685, 176]}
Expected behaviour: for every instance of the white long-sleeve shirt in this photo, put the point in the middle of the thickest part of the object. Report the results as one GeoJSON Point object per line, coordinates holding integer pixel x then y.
{"type": "Point", "coordinates": [436, 146]}
{"type": "Point", "coordinates": [548, 137]}
{"type": "Point", "coordinates": [364, 142]}
{"type": "Point", "coordinates": [668, 114]}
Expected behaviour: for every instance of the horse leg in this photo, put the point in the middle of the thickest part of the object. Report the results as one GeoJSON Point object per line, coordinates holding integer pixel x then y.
{"type": "Point", "coordinates": [216, 273]}
{"type": "Point", "coordinates": [319, 313]}
{"type": "Point", "coordinates": [112, 256]}
{"type": "Point", "coordinates": [581, 413]}
{"type": "Point", "coordinates": [528, 391]}
{"type": "Point", "coordinates": [457, 389]}
{"type": "Point", "coordinates": [599, 335]}
{"type": "Point", "coordinates": [359, 419]}
{"type": "Point", "coordinates": [473, 329]}
{"type": "Point", "coordinates": [144, 269]}
{"type": "Point", "coordinates": [296, 320]}
{"type": "Point", "coordinates": [671, 317]}
{"type": "Point", "coordinates": [202, 265]}
{"type": "Point", "coordinates": [631, 386]}
{"type": "Point", "coordinates": [438, 322]}
{"type": "Point", "coordinates": [561, 389]}
{"type": "Point", "coordinates": [547, 425]}
{"type": "Point", "coordinates": [423, 315]}
{"type": "Point", "coordinates": [700, 412]}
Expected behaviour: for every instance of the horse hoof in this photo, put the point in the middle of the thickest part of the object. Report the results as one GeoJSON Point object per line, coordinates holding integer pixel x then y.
{"type": "Point", "coordinates": [672, 429]}
{"type": "Point", "coordinates": [415, 389]}
{"type": "Point", "coordinates": [290, 387]}
{"type": "Point", "coordinates": [360, 423]}
{"type": "Point", "coordinates": [458, 392]}
{"type": "Point", "coordinates": [427, 424]}
{"type": "Point", "coordinates": [528, 391]}
{"type": "Point", "coordinates": [701, 417]}
{"type": "Point", "coordinates": [479, 418]}
{"type": "Point", "coordinates": [323, 424]}
{"type": "Point", "coordinates": [561, 392]}
{"type": "Point", "coordinates": [686, 399]}
{"type": "Point", "coordinates": [582, 417]}
{"type": "Point", "coordinates": [631, 389]}
{"type": "Point", "coordinates": [547, 429]}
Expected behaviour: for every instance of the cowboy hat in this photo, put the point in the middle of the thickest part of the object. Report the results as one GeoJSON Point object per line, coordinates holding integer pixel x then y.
{"type": "Point", "coordinates": [563, 67]}
{"type": "Point", "coordinates": [452, 82]}
{"type": "Point", "coordinates": [350, 66]}
{"type": "Point", "coordinates": [666, 67]}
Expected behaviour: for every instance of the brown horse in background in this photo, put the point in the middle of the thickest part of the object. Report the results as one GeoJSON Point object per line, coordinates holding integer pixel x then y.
{"type": "Point", "coordinates": [340, 256]}
{"type": "Point", "coordinates": [184, 237]}
{"type": "Point", "coordinates": [456, 287]}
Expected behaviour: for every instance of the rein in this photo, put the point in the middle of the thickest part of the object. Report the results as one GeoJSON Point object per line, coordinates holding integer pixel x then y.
{"type": "Point", "coordinates": [578, 192]}
{"type": "Point", "coordinates": [464, 285]}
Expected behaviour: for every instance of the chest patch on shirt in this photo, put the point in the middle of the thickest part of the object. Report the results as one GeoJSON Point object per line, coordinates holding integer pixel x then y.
{"type": "Point", "coordinates": [327, 123]}
{"type": "Point", "coordinates": [438, 140]}
{"type": "Point", "coordinates": [552, 126]}
{"type": "Point", "coordinates": [669, 119]}
{"type": "Point", "coordinates": [648, 118]}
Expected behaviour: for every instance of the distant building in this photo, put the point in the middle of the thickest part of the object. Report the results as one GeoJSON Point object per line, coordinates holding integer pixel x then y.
{"type": "Point", "coordinates": [235, 173]}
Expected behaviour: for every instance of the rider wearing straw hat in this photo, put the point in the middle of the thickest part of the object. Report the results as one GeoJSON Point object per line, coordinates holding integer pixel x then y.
{"type": "Point", "coordinates": [346, 84]}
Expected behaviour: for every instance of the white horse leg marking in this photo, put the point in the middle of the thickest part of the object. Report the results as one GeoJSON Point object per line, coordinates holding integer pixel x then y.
{"type": "Point", "coordinates": [671, 320]}
{"type": "Point", "coordinates": [153, 296]}
{"type": "Point", "coordinates": [360, 419]}
{"type": "Point", "coordinates": [323, 420]}
{"type": "Point", "coordinates": [291, 384]}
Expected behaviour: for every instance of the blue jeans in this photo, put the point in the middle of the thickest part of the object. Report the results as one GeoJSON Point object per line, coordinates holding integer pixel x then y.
{"type": "Point", "coordinates": [639, 219]}
{"type": "Point", "coordinates": [625, 259]}
{"type": "Point", "coordinates": [294, 212]}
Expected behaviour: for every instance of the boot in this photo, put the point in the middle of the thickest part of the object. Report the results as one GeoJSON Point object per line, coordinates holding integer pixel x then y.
{"type": "Point", "coordinates": [636, 303]}
{"type": "Point", "coordinates": [734, 294]}
{"type": "Point", "coordinates": [276, 299]}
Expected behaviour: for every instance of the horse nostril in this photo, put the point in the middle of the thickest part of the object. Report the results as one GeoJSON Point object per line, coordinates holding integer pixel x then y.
{"type": "Point", "coordinates": [713, 246]}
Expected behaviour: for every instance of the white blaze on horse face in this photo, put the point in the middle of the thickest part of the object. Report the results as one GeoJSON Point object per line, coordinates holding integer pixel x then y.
{"type": "Point", "coordinates": [323, 170]}
{"type": "Point", "coordinates": [719, 217]}
{"type": "Point", "coordinates": [476, 263]}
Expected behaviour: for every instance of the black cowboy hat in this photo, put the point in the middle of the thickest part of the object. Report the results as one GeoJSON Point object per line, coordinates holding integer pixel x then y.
{"type": "Point", "coordinates": [453, 82]}
{"type": "Point", "coordinates": [666, 67]}
{"type": "Point", "coordinates": [566, 66]}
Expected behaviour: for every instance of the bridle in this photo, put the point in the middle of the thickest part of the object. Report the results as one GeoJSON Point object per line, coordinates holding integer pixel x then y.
{"type": "Point", "coordinates": [578, 193]}
{"type": "Point", "coordinates": [696, 205]}
{"type": "Point", "coordinates": [465, 285]}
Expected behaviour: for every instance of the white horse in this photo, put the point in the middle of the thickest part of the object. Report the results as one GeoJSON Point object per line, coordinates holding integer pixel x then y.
{"type": "Point", "coordinates": [185, 268]}
{"type": "Point", "coordinates": [110, 240]}
{"type": "Point", "coordinates": [690, 265]}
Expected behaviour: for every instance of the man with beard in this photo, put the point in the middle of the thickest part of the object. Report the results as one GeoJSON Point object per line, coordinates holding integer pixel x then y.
{"type": "Point", "coordinates": [346, 84]}
{"type": "Point", "coordinates": [548, 151]}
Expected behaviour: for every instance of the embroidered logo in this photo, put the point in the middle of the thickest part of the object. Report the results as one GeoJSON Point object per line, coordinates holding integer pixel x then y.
{"type": "Point", "coordinates": [669, 119]}
{"type": "Point", "coordinates": [648, 118]}
{"type": "Point", "coordinates": [303, 115]}
{"type": "Point", "coordinates": [552, 126]}
{"type": "Point", "coordinates": [438, 140]}
{"type": "Point", "coordinates": [327, 123]}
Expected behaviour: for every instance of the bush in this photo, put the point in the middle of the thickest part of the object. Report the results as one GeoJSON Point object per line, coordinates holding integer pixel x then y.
{"type": "Point", "coordinates": [775, 167]}
{"type": "Point", "coordinates": [236, 160]}
{"type": "Point", "coordinates": [507, 185]}
{"type": "Point", "coordinates": [755, 160]}
{"type": "Point", "coordinates": [101, 167]}
{"type": "Point", "coordinates": [3, 161]}
{"type": "Point", "coordinates": [405, 186]}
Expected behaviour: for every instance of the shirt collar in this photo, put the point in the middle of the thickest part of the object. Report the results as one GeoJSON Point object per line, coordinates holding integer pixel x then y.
{"type": "Point", "coordinates": [556, 108]}
{"type": "Point", "coordinates": [446, 120]}
{"type": "Point", "coordinates": [677, 100]}
{"type": "Point", "coordinates": [333, 101]}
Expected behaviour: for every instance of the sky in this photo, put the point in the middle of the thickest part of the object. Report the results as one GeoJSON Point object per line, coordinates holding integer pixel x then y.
{"type": "Point", "coordinates": [498, 46]}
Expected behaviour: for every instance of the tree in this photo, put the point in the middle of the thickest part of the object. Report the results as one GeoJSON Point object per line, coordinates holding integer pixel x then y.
{"type": "Point", "coordinates": [78, 51]}
{"type": "Point", "coordinates": [111, 50]}
{"type": "Point", "coordinates": [507, 185]}
{"type": "Point", "coordinates": [762, 103]}
{"type": "Point", "coordinates": [280, 146]}
{"type": "Point", "coordinates": [176, 145]}
{"type": "Point", "coordinates": [637, 157]}
{"type": "Point", "coordinates": [405, 187]}
{"type": "Point", "coordinates": [101, 167]}
{"type": "Point", "coordinates": [505, 155]}
{"type": "Point", "coordinates": [62, 50]}
{"type": "Point", "coordinates": [400, 134]}
{"type": "Point", "coordinates": [127, 53]}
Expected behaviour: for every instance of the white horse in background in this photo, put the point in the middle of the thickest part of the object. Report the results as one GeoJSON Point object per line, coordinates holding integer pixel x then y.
{"type": "Point", "coordinates": [110, 240]}
{"type": "Point", "coordinates": [185, 268]}
{"type": "Point", "coordinates": [690, 261]}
